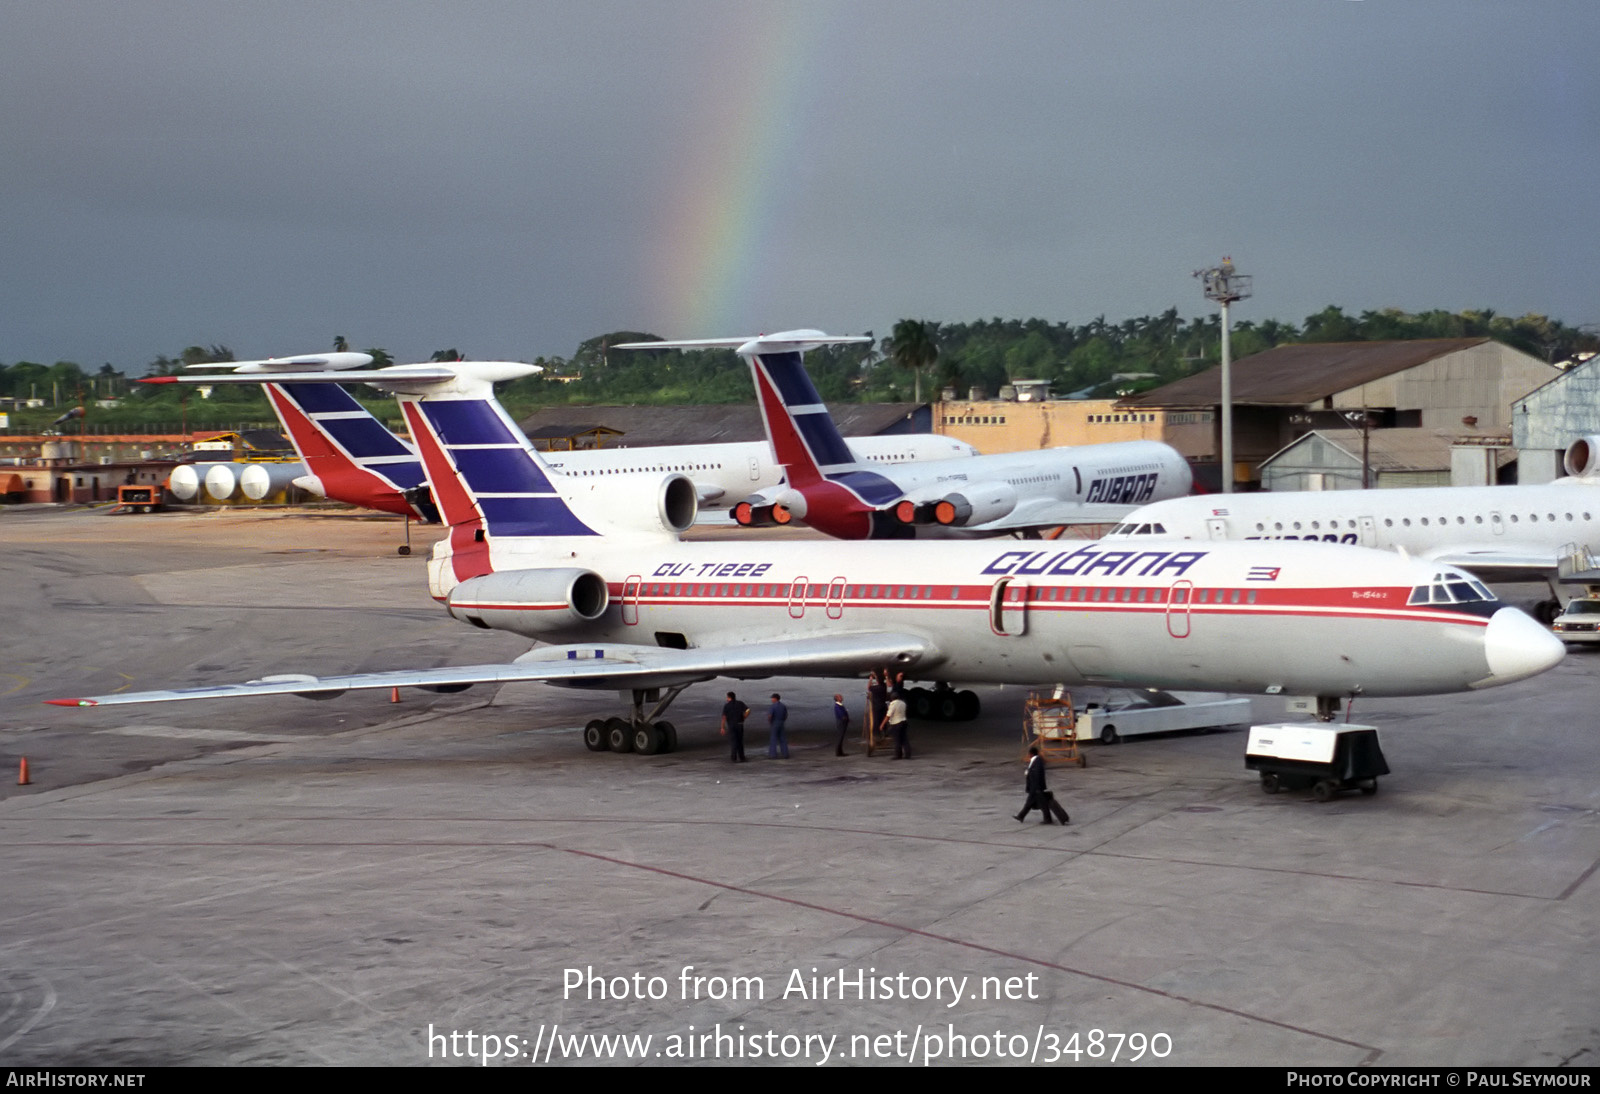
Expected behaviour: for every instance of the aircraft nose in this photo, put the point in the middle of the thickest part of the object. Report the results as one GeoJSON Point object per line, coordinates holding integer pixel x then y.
{"type": "Point", "coordinates": [1517, 648]}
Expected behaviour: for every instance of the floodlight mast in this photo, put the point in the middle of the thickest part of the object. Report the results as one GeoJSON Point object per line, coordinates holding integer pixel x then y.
{"type": "Point", "coordinates": [1224, 285]}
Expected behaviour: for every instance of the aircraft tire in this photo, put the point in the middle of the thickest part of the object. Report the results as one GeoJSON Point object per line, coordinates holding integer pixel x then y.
{"type": "Point", "coordinates": [967, 705]}
{"type": "Point", "coordinates": [645, 740]}
{"type": "Point", "coordinates": [920, 702]}
{"type": "Point", "coordinates": [1546, 611]}
{"type": "Point", "coordinates": [948, 709]}
{"type": "Point", "coordinates": [403, 550]}
{"type": "Point", "coordinates": [619, 737]}
{"type": "Point", "coordinates": [594, 736]}
{"type": "Point", "coordinates": [669, 736]}
{"type": "Point", "coordinates": [1109, 735]}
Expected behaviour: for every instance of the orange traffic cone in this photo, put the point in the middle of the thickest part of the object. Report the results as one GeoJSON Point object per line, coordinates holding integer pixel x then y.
{"type": "Point", "coordinates": [394, 695]}
{"type": "Point", "coordinates": [22, 773]}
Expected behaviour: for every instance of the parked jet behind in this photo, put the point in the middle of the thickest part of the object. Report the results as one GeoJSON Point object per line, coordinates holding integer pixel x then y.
{"type": "Point", "coordinates": [834, 492]}
{"type": "Point", "coordinates": [1504, 533]}
{"type": "Point", "coordinates": [641, 611]}
{"type": "Point", "coordinates": [352, 457]}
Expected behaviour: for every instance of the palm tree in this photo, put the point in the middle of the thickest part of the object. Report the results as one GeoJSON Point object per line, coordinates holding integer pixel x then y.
{"type": "Point", "coordinates": [339, 343]}
{"type": "Point", "coordinates": [915, 348]}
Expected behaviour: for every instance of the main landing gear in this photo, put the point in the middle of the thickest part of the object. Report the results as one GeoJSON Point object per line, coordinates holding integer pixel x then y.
{"type": "Point", "coordinates": [639, 732]}
{"type": "Point", "coordinates": [942, 704]}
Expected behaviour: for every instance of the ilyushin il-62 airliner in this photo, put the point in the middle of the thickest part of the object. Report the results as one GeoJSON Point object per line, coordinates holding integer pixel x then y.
{"type": "Point", "coordinates": [621, 603]}
{"type": "Point", "coordinates": [829, 488]}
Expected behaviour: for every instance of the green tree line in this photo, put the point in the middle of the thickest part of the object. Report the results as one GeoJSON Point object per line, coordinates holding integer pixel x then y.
{"type": "Point", "coordinates": [1097, 358]}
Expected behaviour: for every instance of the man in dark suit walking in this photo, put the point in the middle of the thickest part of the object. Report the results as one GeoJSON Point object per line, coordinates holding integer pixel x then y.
{"type": "Point", "coordinates": [1039, 796]}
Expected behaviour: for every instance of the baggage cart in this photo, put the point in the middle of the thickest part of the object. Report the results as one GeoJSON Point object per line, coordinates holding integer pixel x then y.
{"type": "Point", "coordinates": [1328, 759]}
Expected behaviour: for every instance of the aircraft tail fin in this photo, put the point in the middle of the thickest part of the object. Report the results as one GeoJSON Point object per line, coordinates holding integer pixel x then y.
{"type": "Point", "coordinates": [353, 456]}
{"type": "Point", "coordinates": [486, 479]}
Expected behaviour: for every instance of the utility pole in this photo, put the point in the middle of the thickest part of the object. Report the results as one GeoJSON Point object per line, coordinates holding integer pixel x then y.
{"type": "Point", "coordinates": [1224, 285]}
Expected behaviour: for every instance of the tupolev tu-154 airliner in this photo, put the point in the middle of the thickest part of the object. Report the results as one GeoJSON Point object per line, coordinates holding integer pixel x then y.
{"type": "Point", "coordinates": [620, 603]}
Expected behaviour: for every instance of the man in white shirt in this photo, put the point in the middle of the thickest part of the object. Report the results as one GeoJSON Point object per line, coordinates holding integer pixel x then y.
{"type": "Point", "coordinates": [894, 720]}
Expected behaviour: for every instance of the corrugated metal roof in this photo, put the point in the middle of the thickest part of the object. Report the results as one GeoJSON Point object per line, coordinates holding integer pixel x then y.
{"type": "Point", "coordinates": [1392, 449]}
{"type": "Point", "coordinates": [1302, 374]}
{"type": "Point", "coordinates": [644, 426]}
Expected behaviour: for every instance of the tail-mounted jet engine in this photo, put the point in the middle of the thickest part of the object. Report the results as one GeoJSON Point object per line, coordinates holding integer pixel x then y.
{"type": "Point", "coordinates": [978, 504]}
{"type": "Point", "coordinates": [637, 502]}
{"type": "Point", "coordinates": [534, 603]}
{"type": "Point", "coordinates": [1583, 457]}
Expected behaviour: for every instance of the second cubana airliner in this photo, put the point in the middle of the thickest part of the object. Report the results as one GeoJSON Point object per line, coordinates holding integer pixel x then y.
{"type": "Point", "coordinates": [831, 490]}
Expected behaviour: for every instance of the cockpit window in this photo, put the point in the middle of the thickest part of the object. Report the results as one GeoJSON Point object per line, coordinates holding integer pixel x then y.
{"type": "Point", "coordinates": [1451, 587]}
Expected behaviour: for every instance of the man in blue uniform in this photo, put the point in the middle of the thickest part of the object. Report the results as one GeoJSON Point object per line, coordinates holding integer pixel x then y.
{"type": "Point", "coordinates": [777, 735]}
{"type": "Point", "coordinates": [841, 718]}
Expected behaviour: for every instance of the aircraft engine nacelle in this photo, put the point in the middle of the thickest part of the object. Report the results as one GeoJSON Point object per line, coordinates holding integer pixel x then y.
{"type": "Point", "coordinates": [978, 504]}
{"type": "Point", "coordinates": [641, 503]}
{"type": "Point", "coordinates": [755, 511]}
{"type": "Point", "coordinates": [535, 603]}
{"type": "Point", "coordinates": [1583, 457]}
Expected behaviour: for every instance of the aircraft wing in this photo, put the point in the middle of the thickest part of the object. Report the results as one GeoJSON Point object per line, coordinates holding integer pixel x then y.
{"type": "Point", "coordinates": [1049, 513]}
{"type": "Point", "coordinates": [1498, 563]}
{"type": "Point", "coordinates": [595, 665]}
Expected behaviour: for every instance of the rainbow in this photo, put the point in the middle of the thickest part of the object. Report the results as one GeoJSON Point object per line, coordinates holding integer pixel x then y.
{"type": "Point", "coordinates": [723, 213]}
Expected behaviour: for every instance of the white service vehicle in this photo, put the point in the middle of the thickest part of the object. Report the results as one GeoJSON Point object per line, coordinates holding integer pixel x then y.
{"type": "Point", "coordinates": [1137, 712]}
{"type": "Point", "coordinates": [1580, 622]}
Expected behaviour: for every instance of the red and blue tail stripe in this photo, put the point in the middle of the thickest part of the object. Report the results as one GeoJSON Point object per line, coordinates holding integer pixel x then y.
{"type": "Point", "coordinates": [805, 439]}
{"type": "Point", "coordinates": [500, 477]}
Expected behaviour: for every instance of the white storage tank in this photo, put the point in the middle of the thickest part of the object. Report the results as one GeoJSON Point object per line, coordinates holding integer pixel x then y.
{"type": "Point", "coordinates": [187, 479]}
{"type": "Point", "coordinates": [263, 480]}
{"type": "Point", "coordinates": [222, 480]}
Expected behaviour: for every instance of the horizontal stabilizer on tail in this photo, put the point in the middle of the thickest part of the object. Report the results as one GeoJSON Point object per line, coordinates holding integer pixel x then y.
{"type": "Point", "coordinates": [306, 362]}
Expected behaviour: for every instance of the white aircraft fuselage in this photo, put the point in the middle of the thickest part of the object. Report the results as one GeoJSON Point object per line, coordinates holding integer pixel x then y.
{"type": "Point", "coordinates": [1301, 619]}
{"type": "Point", "coordinates": [1498, 531]}
{"type": "Point", "coordinates": [724, 472]}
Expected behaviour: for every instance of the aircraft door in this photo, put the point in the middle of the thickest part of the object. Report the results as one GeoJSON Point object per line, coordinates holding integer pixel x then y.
{"type": "Point", "coordinates": [1497, 523]}
{"type": "Point", "coordinates": [1217, 527]}
{"type": "Point", "coordinates": [1369, 531]}
{"type": "Point", "coordinates": [836, 598]}
{"type": "Point", "coordinates": [1008, 608]}
{"type": "Point", "coordinates": [1178, 599]}
{"type": "Point", "coordinates": [630, 600]}
{"type": "Point", "coordinates": [797, 598]}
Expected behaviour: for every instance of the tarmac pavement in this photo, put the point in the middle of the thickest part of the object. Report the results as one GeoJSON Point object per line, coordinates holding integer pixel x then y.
{"type": "Point", "coordinates": [354, 881]}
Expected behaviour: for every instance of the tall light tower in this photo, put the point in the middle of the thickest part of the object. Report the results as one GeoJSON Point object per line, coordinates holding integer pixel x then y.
{"type": "Point", "coordinates": [1224, 285]}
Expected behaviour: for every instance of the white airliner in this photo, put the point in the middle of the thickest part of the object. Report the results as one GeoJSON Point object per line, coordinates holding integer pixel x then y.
{"type": "Point", "coordinates": [1500, 533]}
{"type": "Point", "coordinates": [627, 606]}
{"type": "Point", "coordinates": [833, 491]}
{"type": "Point", "coordinates": [352, 457]}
